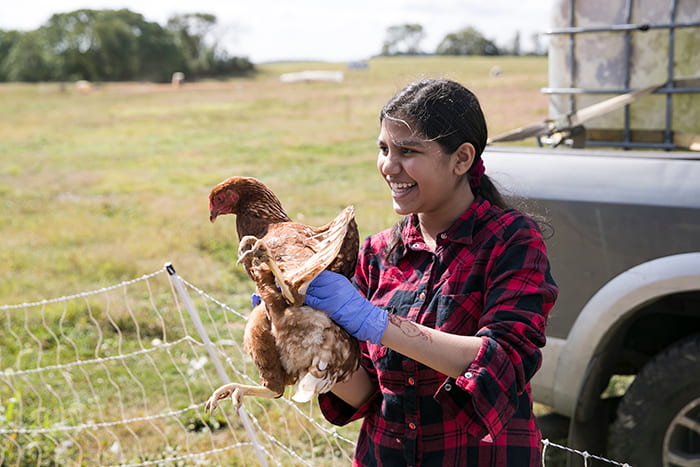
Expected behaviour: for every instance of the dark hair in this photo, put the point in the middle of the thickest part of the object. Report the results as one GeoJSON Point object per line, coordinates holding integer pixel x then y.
{"type": "Point", "coordinates": [448, 113]}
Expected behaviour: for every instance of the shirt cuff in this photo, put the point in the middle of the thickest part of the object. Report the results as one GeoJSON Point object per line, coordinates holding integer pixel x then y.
{"type": "Point", "coordinates": [338, 412]}
{"type": "Point", "coordinates": [480, 399]}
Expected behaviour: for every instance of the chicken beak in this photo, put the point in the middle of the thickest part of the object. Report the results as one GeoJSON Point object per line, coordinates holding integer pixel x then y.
{"type": "Point", "coordinates": [212, 217]}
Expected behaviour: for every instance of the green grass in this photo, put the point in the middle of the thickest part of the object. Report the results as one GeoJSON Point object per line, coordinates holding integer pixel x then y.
{"type": "Point", "coordinates": [102, 187]}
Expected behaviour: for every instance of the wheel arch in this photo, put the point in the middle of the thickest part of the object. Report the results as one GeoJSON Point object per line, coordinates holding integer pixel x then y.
{"type": "Point", "coordinates": [592, 346]}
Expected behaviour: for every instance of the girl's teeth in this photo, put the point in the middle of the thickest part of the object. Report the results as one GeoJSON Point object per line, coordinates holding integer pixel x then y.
{"type": "Point", "coordinates": [401, 186]}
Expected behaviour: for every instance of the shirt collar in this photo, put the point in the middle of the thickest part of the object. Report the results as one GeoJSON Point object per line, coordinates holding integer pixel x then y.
{"type": "Point", "coordinates": [461, 230]}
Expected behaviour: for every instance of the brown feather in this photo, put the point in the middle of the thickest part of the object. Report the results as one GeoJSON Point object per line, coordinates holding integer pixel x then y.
{"type": "Point", "coordinates": [259, 343]}
{"type": "Point", "coordinates": [286, 339]}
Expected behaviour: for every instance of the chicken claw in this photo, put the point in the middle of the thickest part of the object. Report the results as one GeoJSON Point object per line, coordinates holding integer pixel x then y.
{"type": "Point", "coordinates": [227, 390]}
{"type": "Point", "coordinates": [246, 248]}
{"type": "Point", "coordinates": [260, 252]}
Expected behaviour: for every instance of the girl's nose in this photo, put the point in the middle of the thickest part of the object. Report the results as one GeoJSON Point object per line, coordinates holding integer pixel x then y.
{"type": "Point", "coordinates": [388, 164]}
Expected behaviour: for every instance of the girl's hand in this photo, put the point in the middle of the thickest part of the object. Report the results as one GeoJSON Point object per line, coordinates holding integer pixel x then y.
{"type": "Point", "coordinates": [334, 294]}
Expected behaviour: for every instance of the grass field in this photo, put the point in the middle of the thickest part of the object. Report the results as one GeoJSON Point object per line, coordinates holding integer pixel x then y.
{"type": "Point", "coordinates": [105, 186]}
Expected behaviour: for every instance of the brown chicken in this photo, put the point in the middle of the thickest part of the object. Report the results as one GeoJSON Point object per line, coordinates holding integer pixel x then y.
{"type": "Point", "coordinates": [290, 343]}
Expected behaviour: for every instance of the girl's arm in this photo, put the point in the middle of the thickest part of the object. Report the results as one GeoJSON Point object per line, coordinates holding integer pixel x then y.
{"type": "Point", "coordinates": [357, 390]}
{"type": "Point", "coordinates": [447, 353]}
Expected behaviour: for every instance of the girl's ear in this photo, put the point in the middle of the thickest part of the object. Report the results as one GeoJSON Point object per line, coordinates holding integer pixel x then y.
{"type": "Point", "coordinates": [464, 158]}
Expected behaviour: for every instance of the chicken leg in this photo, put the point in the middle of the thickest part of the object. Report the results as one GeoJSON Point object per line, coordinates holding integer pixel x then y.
{"type": "Point", "coordinates": [237, 392]}
{"type": "Point", "coordinates": [252, 246]}
{"type": "Point", "coordinates": [254, 252]}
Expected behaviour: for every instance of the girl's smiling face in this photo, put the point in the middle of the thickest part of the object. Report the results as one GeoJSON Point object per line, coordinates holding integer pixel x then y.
{"type": "Point", "coordinates": [423, 178]}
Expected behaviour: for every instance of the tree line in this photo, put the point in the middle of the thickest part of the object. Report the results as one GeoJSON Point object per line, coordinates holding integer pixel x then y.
{"type": "Point", "coordinates": [116, 45]}
{"type": "Point", "coordinates": [405, 39]}
{"type": "Point", "coordinates": [120, 45]}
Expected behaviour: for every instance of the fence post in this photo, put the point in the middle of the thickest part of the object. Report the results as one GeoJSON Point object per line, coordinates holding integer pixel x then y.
{"type": "Point", "coordinates": [182, 292]}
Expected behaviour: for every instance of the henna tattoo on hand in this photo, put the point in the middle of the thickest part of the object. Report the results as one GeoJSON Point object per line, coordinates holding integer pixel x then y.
{"type": "Point", "coordinates": [409, 328]}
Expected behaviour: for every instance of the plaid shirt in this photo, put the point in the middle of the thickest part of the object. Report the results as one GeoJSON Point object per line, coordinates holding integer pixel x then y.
{"type": "Point", "coordinates": [489, 276]}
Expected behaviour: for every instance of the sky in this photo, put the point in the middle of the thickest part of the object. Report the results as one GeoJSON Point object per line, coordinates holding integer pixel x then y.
{"type": "Point", "coordinates": [269, 30]}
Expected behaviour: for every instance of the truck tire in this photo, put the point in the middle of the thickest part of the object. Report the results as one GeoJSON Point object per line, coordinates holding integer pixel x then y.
{"type": "Point", "coordinates": [658, 420]}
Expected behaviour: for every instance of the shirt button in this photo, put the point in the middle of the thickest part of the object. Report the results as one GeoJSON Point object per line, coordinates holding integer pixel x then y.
{"type": "Point", "coordinates": [411, 381]}
{"type": "Point", "coordinates": [422, 296]}
{"type": "Point", "coordinates": [448, 387]}
{"type": "Point", "coordinates": [443, 236]}
{"type": "Point", "coordinates": [412, 426]}
{"type": "Point", "coordinates": [398, 440]}
{"type": "Point", "coordinates": [468, 375]}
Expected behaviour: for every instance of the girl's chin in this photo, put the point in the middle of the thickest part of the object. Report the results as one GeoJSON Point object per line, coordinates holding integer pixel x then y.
{"type": "Point", "coordinates": [401, 209]}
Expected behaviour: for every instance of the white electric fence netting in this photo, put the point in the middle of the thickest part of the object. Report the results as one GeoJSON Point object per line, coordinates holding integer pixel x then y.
{"type": "Point", "coordinates": [119, 376]}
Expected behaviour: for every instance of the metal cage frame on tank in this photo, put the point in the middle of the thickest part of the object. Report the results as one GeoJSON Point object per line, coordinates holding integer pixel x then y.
{"type": "Point", "coordinates": [600, 48]}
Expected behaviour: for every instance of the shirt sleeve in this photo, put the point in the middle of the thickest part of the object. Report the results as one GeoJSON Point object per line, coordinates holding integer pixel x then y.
{"type": "Point", "coordinates": [339, 412]}
{"type": "Point", "coordinates": [519, 292]}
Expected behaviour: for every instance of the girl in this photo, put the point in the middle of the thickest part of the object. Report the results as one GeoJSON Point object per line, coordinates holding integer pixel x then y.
{"type": "Point", "coordinates": [452, 301]}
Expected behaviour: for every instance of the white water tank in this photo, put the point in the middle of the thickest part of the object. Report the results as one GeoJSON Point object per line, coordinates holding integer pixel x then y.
{"type": "Point", "coordinates": [602, 48]}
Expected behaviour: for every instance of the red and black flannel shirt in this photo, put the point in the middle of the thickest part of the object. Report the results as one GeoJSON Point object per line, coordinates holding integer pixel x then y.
{"type": "Point", "coordinates": [489, 276]}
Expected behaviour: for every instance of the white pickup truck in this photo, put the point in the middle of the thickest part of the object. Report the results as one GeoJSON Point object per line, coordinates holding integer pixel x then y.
{"type": "Point", "coordinates": [623, 236]}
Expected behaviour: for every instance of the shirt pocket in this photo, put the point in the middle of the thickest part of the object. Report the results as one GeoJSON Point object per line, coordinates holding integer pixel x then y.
{"type": "Point", "coordinates": [459, 313]}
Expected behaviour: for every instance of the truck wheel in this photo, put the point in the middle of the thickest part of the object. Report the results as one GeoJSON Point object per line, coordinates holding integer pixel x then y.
{"type": "Point", "coordinates": [658, 420]}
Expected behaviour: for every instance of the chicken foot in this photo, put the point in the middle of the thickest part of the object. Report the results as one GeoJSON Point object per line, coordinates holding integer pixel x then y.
{"type": "Point", "coordinates": [253, 246]}
{"type": "Point", "coordinates": [237, 392]}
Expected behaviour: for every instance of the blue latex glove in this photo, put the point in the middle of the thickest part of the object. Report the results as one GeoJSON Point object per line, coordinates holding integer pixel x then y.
{"type": "Point", "coordinates": [334, 294]}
